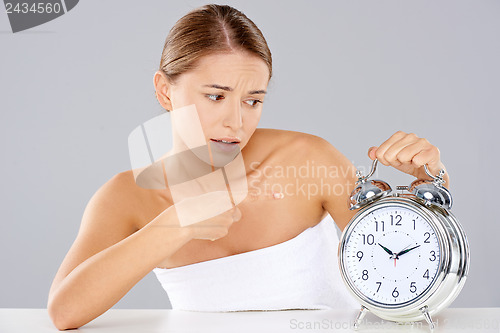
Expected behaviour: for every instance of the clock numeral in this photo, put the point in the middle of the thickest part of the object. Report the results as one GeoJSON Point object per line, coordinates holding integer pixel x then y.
{"type": "Point", "coordinates": [413, 287]}
{"type": "Point", "coordinates": [359, 255]}
{"type": "Point", "coordinates": [376, 225]}
{"type": "Point", "coordinates": [398, 218]}
{"type": "Point", "coordinates": [365, 275]}
{"type": "Point", "coordinates": [428, 235]}
{"type": "Point", "coordinates": [379, 284]}
{"type": "Point", "coordinates": [426, 275]}
{"type": "Point", "coordinates": [395, 293]}
{"type": "Point", "coordinates": [413, 224]}
{"type": "Point", "coordinates": [370, 239]}
{"type": "Point", "coordinates": [433, 256]}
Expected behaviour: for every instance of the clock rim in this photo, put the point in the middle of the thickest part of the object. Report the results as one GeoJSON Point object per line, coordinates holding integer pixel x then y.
{"type": "Point", "coordinates": [414, 204]}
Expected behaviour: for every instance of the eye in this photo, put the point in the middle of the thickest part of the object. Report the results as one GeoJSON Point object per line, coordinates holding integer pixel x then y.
{"type": "Point", "coordinates": [254, 102]}
{"type": "Point", "coordinates": [214, 97]}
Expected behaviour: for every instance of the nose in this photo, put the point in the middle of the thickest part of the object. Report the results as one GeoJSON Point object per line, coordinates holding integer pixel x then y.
{"type": "Point", "coordinates": [232, 117]}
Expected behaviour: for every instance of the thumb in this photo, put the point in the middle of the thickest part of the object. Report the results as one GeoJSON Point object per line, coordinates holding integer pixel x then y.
{"type": "Point", "coordinates": [371, 152]}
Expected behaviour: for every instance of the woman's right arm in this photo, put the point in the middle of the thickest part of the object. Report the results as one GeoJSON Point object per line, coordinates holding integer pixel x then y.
{"type": "Point", "coordinates": [109, 257]}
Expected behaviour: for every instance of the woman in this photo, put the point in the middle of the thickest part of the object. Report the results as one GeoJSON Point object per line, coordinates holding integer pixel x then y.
{"type": "Point", "coordinates": [272, 246]}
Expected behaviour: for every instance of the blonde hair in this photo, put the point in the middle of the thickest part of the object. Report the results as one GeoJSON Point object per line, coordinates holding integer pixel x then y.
{"type": "Point", "coordinates": [207, 30]}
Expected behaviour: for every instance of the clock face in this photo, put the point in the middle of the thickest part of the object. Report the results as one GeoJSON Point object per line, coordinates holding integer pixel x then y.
{"type": "Point", "coordinates": [392, 255]}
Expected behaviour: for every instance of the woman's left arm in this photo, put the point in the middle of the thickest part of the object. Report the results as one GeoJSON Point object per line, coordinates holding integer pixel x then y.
{"type": "Point", "coordinates": [408, 153]}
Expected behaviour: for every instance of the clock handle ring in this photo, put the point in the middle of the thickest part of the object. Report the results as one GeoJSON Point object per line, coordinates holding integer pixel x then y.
{"type": "Point", "coordinates": [359, 174]}
{"type": "Point", "coordinates": [438, 180]}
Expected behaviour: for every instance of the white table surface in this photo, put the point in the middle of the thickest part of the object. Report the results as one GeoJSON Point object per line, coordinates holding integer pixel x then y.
{"type": "Point", "coordinates": [152, 320]}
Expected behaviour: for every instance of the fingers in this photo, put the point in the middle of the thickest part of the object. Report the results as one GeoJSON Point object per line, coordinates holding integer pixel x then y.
{"type": "Point", "coordinates": [199, 208]}
{"type": "Point", "coordinates": [236, 214]}
{"type": "Point", "coordinates": [418, 154]}
{"type": "Point", "coordinates": [225, 218]}
{"type": "Point", "coordinates": [387, 151]}
{"type": "Point", "coordinates": [431, 157]}
{"type": "Point", "coordinates": [403, 150]}
{"type": "Point", "coordinates": [371, 153]}
{"type": "Point", "coordinates": [409, 153]}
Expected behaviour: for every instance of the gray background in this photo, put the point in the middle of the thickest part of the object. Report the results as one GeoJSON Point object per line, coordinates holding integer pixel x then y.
{"type": "Point", "coordinates": [352, 72]}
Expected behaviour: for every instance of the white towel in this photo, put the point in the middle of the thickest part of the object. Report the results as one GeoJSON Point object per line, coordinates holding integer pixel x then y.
{"type": "Point", "coordinates": [301, 273]}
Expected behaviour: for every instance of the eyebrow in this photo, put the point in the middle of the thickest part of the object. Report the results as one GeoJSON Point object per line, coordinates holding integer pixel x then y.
{"type": "Point", "coordinates": [218, 86]}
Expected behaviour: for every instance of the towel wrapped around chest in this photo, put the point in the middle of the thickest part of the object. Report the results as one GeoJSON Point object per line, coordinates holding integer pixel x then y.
{"type": "Point", "coordinates": [301, 273]}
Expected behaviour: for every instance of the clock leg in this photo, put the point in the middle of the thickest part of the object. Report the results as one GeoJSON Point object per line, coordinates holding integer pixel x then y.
{"type": "Point", "coordinates": [360, 317]}
{"type": "Point", "coordinates": [428, 318]}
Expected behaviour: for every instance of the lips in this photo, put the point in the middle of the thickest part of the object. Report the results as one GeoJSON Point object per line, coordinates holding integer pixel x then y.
{"type": "Point", "coordinates": [226, 144]}
{"type": "Point", "coordinates": [227, 140]}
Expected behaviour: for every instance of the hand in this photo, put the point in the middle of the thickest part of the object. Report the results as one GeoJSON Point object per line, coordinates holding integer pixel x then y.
{"type": "Point", "coordinates": [409, 153]}
{"type": "Point", "coordinates": [208, 216]}
{"type": "Point", "coordinates": [215, 227]}
{"type": "Point", "coordinates": [201, 219]}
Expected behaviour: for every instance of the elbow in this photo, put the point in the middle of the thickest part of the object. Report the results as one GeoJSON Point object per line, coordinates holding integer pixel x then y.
{"type": "Point", "coordinates": [60, 316]}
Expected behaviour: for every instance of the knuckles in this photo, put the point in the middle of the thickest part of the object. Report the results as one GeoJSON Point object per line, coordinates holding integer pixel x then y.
{"type": "Point", "coordinates": [416, 150]}
{"type": "Point", "coordinates": [399, 134]}
{"type": "Point", "coordinates": [435, 150]}
{"type": "Point", "coordinates": [423, 141]}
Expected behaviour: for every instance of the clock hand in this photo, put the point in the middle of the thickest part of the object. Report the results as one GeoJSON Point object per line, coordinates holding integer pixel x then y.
{"type": "Point", "coordinates": [406, 251]}
{"type": "Point", "coordinates": [393, 255]}
{"type": "Point", "coordinates": [386, 249]}
{"type": "Point", "coordinates": [407, 246]}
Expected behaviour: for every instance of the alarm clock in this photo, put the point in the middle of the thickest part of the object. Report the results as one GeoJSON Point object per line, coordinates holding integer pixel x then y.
{"type": "Point", "coordinates": [404, 256]}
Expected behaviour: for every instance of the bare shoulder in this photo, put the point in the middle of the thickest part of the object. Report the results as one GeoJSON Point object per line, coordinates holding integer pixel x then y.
{"type": "Point", "coordinates": [120, 189]}
{"type": "Point", "coordinates": [334, 172]}
{"type": "Point", "coordinates": [123, 184]}
{"type": "Point", "coordinates": [266, 133]}
{"type": "Point", "coordinates": [136, 205]}
{"type": "Point", "coordinates": [279, 139]}
{"type": "Point", "coordinates": [108, 218]}
{"type": "Point", "coordinates": [116, 199]}
{"type": "Point", "coordinates": [299, 143]}
{"type": "Point", "coordinates": [119, 182]}
{"type": "Point", "coordinates": [291, 148]}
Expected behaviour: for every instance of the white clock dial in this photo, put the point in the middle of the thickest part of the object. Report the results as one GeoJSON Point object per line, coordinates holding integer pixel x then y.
{"type": "Point", "coordinates": [392, 255]}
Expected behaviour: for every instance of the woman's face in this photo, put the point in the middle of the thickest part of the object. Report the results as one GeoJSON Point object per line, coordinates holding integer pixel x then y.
{"type": "Point", "coordinates": [228, 90]}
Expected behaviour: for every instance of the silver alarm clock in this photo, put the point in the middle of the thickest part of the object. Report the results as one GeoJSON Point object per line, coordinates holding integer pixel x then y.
{"type": "Point", "coordinates": [403, 256]}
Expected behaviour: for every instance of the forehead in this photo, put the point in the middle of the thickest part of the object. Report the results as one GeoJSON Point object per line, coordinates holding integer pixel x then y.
{"type": "Point", "coordinates": [232, 69]}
